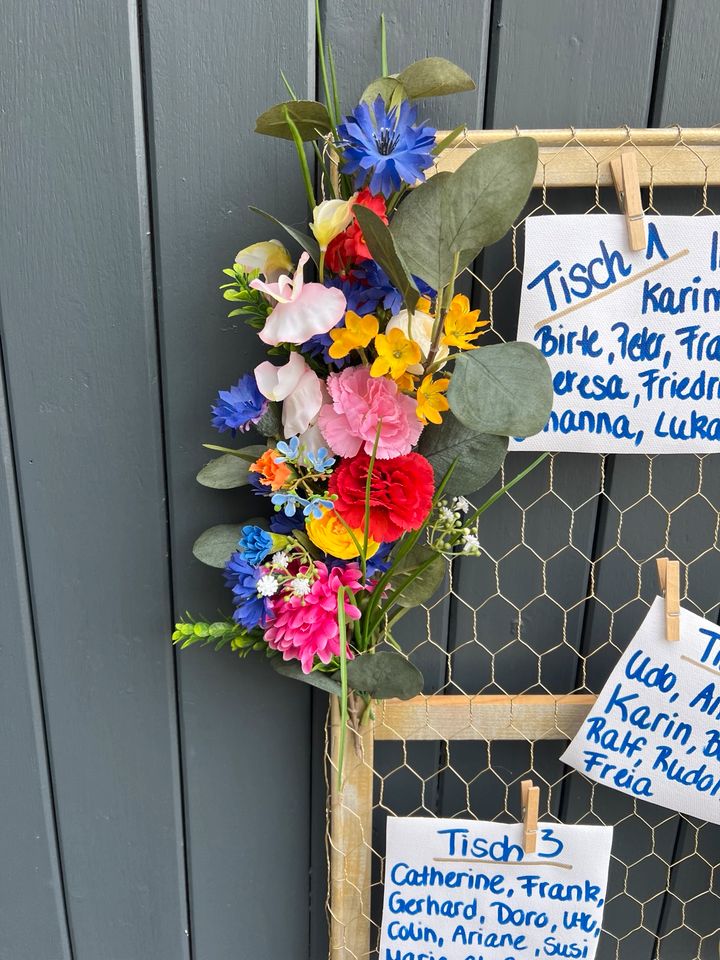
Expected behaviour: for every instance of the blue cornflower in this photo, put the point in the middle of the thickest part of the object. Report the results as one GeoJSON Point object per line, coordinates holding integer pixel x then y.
{"type": "Point", "coordinates": [385, 145]}
{"type": "Point", "coordinates": [280, 522]}
{"type": "Point", "coordinates": [320, 459]}
{"type": "Point", "coordinates": [377, 280]}
{"type": "Point", "coordinates": [288, 450]}
{"type": "Point", "coordinates": [239, 407]}
{"type": "Point", "coordinates": [255, 544]}
{"type": "Point", "coordinates": [251, 610]}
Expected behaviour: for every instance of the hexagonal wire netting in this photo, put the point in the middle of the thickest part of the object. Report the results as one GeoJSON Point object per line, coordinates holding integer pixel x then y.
{"type": "Point", "coordinates": [565, 578]}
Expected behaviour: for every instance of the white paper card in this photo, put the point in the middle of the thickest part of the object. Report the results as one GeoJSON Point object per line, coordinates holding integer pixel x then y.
{"type": "Point", "coordinates": [654, 732]}
{"type": "Point", "coordinates": [635, 355]}
{"type": "Point", "coordinates": [465, 890]}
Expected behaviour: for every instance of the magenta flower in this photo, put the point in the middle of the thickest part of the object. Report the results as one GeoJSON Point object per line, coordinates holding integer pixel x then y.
{"type": "Point", "coordinates": [359, 402]}
{"type": "Point", "coordinates": [305, 624]}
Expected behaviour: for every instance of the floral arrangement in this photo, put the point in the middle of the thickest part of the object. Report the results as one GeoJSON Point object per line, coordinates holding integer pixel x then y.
{"type": "Point", "coordinates": [381, 407]}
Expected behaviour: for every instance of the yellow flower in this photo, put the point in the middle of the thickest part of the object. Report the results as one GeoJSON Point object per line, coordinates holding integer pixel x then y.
{"type": "Point", "coordinates": [395, 353]}
{"type": "Point", "coordinates": [406, 383]}
{"type": "Point", "coordinates": [269, 257]}
{"type": "Point", "coordinates": [357, 333]}
{"type": "Point", "coordinates": [332, 537]}
{"type": "Point", "coordinates": [430, 399]}
{"type": "Point", "coordinates": [330, 218]}
{"type": "Point", "coordinates": [461, 324]}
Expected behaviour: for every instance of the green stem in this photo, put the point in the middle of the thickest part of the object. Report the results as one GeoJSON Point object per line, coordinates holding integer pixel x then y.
{"type": "Point", "coordinates": [445, 300]}
{"type": "Point", "coordinates": [342, 629]}
{"type": "Point", "coordinates": [323, 70]}
{"type": "Point", "coordinates": [368, 489]}
{"type": "Point", "coordinates": [334, 84]}
{"type": "Point", "coordinates": [305, 170]}
{"type": "Point", "coordinates": [289, 89]}
{"type": "Point", "coordinates": [383, 47]}
{"type": "Point", "coordinates": [321, 266]}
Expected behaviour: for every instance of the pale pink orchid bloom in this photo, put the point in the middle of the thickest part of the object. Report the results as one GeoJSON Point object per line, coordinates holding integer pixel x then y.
{"type": "Point", "coordinates": [302, 310]}
{"type": "Point", "coordinates": [298, 386]}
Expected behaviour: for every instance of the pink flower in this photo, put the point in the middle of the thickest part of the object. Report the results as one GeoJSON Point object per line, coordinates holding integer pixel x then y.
{"type": "Point", "coordinates": [305, 627]}
{"type": "Point", "coordinates": [303, 310]}
{"type": "Point", "coordinates": [298, 386]}
{"type": "Point", "coordinates": [359, 401]}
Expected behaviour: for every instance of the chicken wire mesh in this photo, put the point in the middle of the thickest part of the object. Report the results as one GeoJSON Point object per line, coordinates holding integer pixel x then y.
{"type": "Point", "coordinates": [566, 575]}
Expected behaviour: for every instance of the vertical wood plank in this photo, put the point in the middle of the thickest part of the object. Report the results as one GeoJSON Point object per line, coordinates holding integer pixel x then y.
{"type": "Point", "coordinates": [79, 340]}
{"type": "Point", "coordinates": [34, 922]}
{"type": "Point", "coordinates": [351, 816]}
{"type": "Point", "coordinates": [211, 69]}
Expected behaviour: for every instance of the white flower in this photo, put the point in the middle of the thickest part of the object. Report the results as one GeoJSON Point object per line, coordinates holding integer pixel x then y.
{"type": "Point", "coordinates": [280, 559]}
{"type": "Point", "coordinates": [471, 544]}
{"type": "Point", "coordinates": [446, 515]}
{"type": "Point", "coordinates": [267, 586]}
{"type": "Point", "coordinates": [300, 586]}
{"type": "Point", "coordinates": [330, 218]}
{"type": "Point", "coordinates": [461, 504]}
{"type": "Point", "coordinates": [297, 385]}
{"type": "Point", "coordinates": [270, 258]}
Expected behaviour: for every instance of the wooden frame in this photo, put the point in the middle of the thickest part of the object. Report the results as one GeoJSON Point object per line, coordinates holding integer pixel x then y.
{"type": "Point", "coordinates": [567, 158]}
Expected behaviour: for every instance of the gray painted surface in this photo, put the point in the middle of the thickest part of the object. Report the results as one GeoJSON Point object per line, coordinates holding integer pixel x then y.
{"type": "Point", "coordinates": [156, 805]}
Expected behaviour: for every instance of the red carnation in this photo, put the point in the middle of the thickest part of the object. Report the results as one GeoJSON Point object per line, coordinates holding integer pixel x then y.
{"type": "Point", "coordinates": [401, 493]}
{"type": "Point", "coordinates": [349, 246]}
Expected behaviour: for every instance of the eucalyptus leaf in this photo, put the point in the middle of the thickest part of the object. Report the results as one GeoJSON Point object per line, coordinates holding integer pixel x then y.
{"type": "Point", "coordinates": [310, 117]}
{"type": "Point", "coordinates": [435, 77]}
{"type": "Point", "coordinates": [293, 671]}
{"type": "Point", "coordinates": [270, 423]}
{"type": "Point", "coordinates": [390, 89]}
{"type": "Point", "coordinates": [460, 213]}
{"type": "Point", "coordinates": [384, 674]}
{"type": "Point", "coordinates": [304, 239]}
{"type": "Point", "coordinates": [229, 471]}
{"type": "Point", "coordinates": [422, 587]}
{"type": "Point", "coordinates": [215, 546]}
{"type": "Point", "coordinates": [477, 456]}
{"type": "Point", "coordinates": [504, 389]}
{"type": "Point", "coordinates": [381, 246]}
{"type": "Point", "coordinates": [417, 230]}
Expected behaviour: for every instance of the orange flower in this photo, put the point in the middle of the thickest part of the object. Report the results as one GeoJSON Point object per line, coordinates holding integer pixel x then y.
{"type": "Point", "coordinates": [272, 474]}
{"type": "Point", "coordinates": [461, 324]}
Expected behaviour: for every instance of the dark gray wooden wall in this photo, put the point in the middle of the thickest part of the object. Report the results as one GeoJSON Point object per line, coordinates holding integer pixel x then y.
{"type": "Point", "coordinates": [154, 805]}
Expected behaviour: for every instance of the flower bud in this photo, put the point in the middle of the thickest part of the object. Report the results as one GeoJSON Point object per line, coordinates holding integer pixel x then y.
{"type": "Point", "coordinates": [330, 218]}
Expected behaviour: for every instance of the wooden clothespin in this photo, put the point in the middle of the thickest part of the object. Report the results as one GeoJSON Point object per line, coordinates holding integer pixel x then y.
{"type": "Point", "coordinates": [669, 577]}
{"type": "Point", "coordinates": [530, 797]}
{"type": "Point", "coordinates": [627, 186]}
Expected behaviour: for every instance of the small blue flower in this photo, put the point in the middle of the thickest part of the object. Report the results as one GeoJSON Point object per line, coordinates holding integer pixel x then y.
{"type": "Point", "coordinates": [251, 610]}
{"type": "Point", "coordinates": [320, 459]}
{"type": "Point", "coordinates": [375, 277]}
{"type": "Point", "coordinates": [316, 507]}
{"type": "Point", "coordinates": [255, 544]}
{"type": "Point", "coordinates": [289, 502]}
{"type": "Point", "coordinates": [288, 450]}
{"type": "Point", "coordinates": [239, 407]}
{"type": "Point", "coordinates": [385, 146]}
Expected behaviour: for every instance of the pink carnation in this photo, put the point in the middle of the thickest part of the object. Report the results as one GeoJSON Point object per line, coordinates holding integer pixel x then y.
{"type": "Point", "coordinates": [306, 627]}
{"type": "Point", "coordinates": [359, 402]}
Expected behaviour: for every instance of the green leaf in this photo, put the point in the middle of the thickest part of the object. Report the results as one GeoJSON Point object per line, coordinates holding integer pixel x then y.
{"type": "Point", "coordinates": [270, 423]}
{"type": "Point", "coordinates": [293, 671]}
{"type": "Point", "coordinates": [465, 211]}
{"type": "Point", "coordinates": [381, 246]}
{"type": "Point", "coordinates": [435, 77]}
{"type": "Point", "coordinates": [421, 588]}
{"type": "Point", "coordinates": [229, 471]}
{"type": "Point", "coordinates": [449, 139]}
{"type": "Point", "coordinates": [417, 230]}
{"type": "Point", "coordinates": [488, 192]}
{"type": "Point", "coordinates": [310, 117]}
{"type": "Point", "coordinates": [385, 674]}
{"type": "Point", "coordinates": [305, 240]}
{"type": "Point", "coordinates": [389, 88]}
{"type": "Point", "coordinates": [504, 389]}
{"type": "Point", "coordinates": [215, 546]}
{"type": "Point", "coordinates": [478, 456]}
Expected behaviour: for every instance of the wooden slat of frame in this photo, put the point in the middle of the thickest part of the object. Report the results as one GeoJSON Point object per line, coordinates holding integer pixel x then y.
{"type": "Point", "coordinates": [531, 717]}
{"type": "Point", "coordinates": [581, 158]}
{"type": "Point", "coordinates": [351, 808]}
